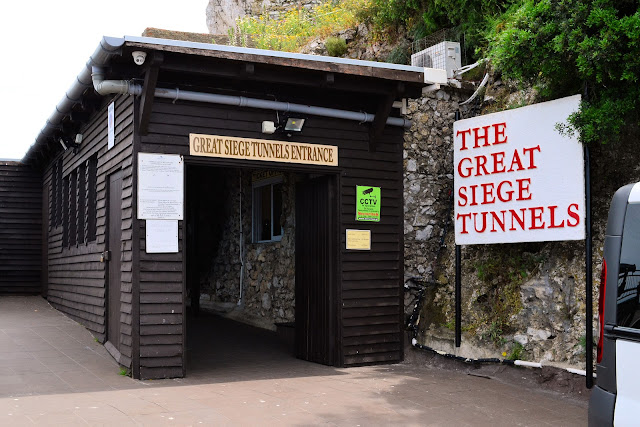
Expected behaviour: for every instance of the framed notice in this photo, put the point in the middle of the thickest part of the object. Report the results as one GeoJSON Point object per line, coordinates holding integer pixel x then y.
{"type": "Point", "coordinates": [161, 236]}
{"type": "Point", "coordinates": [517, 178]}
{"type": "Point", "coordinates": [359, 240]}
{"type": "Point", "coordinates": [368, 201]}
{"type": "Point", "coordinates": [160, 186]}
{"type": "Point", "coordinates": [111, 125]}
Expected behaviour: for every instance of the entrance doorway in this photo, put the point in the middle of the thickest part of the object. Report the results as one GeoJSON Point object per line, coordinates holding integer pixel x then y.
{"type": "Point", "coordinates": [261, 249]}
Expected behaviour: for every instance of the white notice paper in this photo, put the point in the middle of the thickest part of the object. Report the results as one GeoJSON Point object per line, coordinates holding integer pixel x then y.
{"type": "Point", "coordinates": [162, 236]}
{"type": "Point", "coordinates": [160, 186]}
{"type": "Point", "coordinates": [111, 122]}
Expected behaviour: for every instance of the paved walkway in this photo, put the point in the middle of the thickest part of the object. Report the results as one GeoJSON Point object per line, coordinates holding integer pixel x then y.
{"type": "Point", "coordinates": [52, 372]}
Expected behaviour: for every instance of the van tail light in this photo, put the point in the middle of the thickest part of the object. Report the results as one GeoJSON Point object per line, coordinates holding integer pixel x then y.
{"type": "Point", "coordinates": [601, 297]}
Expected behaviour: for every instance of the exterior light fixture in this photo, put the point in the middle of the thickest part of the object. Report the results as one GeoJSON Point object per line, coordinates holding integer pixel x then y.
{"type": "Point", "coordinates": [268, 127]}
{"type": "Point", "coordinates": [294, 124]}
{"type": "Point", "coordinates": [66, 142]}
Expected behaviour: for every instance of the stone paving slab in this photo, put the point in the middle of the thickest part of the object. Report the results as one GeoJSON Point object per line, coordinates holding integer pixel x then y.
{"type": "Point", "coordinates": [258, 388]}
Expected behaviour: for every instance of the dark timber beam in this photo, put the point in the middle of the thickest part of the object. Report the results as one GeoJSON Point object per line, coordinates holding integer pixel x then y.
{"type": "Point", "coordinates": [284, 75]}
{"type": "Point", "coordinates": [148, 89]}
{"type": "Point", "coordinates": [382, 114]}
{"type": "Point", "coordinates": [80, 116]}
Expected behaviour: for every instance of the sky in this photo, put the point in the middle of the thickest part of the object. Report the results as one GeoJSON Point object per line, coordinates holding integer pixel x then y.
{"type": "Point", "coordinates": [45, 44]}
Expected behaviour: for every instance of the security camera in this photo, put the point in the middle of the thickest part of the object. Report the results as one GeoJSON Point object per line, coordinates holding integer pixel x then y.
{"type": "Point", "coordinates": [139, 57]}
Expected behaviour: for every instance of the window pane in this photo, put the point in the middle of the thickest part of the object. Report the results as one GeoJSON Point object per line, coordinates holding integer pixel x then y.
{"type": "Point", "coordinates": [73, 203]}
{"type": "Point", "coordinates": [91, 198]}
{"type": "Point", "coordinates": [82, 192]}
{"type": "Point", "coordinates": [265, 213]}
{"type": "Point", "coordinates": [277, 209]}
{"type": "Point", "coordinates": [628, 302]}
{"type": "Point", "coordinates": [65, 212]}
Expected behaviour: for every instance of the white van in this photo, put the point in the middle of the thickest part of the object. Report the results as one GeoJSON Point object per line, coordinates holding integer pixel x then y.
{"type": "Point", "coordinates": [615, 400]}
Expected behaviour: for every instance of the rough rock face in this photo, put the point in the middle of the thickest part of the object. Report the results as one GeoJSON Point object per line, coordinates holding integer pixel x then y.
{"type": "Point", "coordinates": [269, 274]}
{"type": "Point", "coordinates": [222, 14]}
{"type": "Point", "coordinates": [523, 301]}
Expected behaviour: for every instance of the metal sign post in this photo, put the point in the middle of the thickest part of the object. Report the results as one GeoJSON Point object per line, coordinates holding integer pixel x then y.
{"type": "Point", "coordinates": [588, 270]}
{"type": "Point", "coordinates": [458, 289]}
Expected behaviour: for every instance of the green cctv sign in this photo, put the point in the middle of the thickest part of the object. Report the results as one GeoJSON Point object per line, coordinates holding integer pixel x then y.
{"type": "Point", "coordinates": [368, 203]}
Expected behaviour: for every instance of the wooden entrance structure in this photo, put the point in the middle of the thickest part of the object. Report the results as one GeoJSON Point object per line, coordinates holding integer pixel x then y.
{"type": "Point", "coordinates": [349, 303]}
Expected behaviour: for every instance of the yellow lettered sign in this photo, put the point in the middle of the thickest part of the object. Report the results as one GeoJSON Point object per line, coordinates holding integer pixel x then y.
{"type": "Point", "coordinates": [359, 240]}
{"type": "Point", "coordinates": [261, 149]}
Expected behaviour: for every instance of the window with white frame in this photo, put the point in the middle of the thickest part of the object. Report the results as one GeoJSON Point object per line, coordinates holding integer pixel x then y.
{"type": "Point", "coordinates": [267, 210]}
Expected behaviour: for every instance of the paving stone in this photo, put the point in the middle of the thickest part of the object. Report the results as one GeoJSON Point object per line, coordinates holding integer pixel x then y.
{"type": "Point", "coordinates": [80, 385]}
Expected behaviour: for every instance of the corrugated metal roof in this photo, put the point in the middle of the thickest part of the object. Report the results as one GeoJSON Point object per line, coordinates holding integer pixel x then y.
{"type": "Point", "coordinates": [271, 53]}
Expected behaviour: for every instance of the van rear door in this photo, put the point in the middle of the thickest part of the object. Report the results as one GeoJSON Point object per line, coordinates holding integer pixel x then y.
{"type": "Point", "coordinates": [627, 327]}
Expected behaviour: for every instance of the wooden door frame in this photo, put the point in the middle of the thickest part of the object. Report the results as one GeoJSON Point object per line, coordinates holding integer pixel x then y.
{"type": "Point", "coordinates": [334, 173]}
{"type": "Point", "coordinates": [335, 308]}
{"type": "Point", "coordinates": [109, 345]}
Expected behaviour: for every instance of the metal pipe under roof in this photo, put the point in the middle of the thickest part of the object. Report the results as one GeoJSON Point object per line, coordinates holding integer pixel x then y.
{"type": "Point", "coordinates": [112, 46]}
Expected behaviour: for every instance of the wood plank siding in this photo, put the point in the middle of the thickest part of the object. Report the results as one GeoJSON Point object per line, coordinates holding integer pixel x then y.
{"type": "Point", "coordinates": [369, 288]}
{"type": "Point", "coordinates": [20, 229]}
{"type": "Point", "coordinates": [77, 183]}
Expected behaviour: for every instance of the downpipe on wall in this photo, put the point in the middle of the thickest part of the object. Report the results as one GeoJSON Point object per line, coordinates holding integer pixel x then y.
{"type": "Point", "coordinates": [241, 245]}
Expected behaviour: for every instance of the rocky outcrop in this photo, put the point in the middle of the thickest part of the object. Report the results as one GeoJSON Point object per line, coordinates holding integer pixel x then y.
{"type": "Point", "coordinates": [222, 14]}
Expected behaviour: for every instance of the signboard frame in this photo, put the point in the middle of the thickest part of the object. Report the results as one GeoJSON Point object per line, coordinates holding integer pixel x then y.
{"type": "Point", "coordinates": [160, 186]}
{"type": "Point", "coordinates": [368, 203]}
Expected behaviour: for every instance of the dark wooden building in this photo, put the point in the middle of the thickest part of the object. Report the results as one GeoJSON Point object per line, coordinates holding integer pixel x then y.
{"type": "Point", "coordinates": [202, 107]}
{"type": "Point", "coordinates": [20, 229]}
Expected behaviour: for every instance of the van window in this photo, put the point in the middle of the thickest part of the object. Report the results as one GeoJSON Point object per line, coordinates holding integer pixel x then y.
{"type": "Point", "coordinates": [628, 302]}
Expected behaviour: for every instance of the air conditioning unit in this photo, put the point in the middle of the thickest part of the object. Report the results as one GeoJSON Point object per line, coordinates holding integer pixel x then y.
{"type": "Point", "coordinates": [443, 56]}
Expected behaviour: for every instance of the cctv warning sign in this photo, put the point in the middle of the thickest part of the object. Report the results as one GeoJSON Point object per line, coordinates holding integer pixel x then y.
{"type": "Point", "coordinates": [368, 203]}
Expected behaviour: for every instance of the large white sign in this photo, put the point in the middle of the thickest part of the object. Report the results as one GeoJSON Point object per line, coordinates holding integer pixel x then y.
{"type": "Point", "coordinates": [160, 186]}
{"type": "Point", "coordinates": [517, 179]}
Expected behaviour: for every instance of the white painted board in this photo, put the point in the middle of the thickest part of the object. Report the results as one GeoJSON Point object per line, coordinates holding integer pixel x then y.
{"type": "Point", "coordinates": [111, 128]}
{"type": "Point", "coordinates": [517, 179]}
{"type": "Point", "coordinates": [161, 236]}
{"type": "Point", "coordinates": [160, 186]}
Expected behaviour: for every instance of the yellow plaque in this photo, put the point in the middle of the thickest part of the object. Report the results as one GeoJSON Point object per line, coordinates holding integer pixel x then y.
{"type": "Point", "coordinates": [359, 240]}
{"type": "Point", "coordinates": [262, 149]}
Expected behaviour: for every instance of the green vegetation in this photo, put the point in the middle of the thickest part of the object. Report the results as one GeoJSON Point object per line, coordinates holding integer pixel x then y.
{"type": "Point", "coordinates": [335, 46]}
{"type": "Point", "coordinates": [501, 272]}
{"type": "Point", "coordinates": [123, 371]}
{"type": "Point", "coordinates": [297, 26]}
{"type": "Point", "coordinates": [401, 54]}
{"type": "Point", "coordinates": [561, 47]}
{"type": "Point", "coordinates": [516, 351]}
{"type": "Point", "coordinates": [423, 17]}
{"type": "Point", "coordinates": [564, 47]}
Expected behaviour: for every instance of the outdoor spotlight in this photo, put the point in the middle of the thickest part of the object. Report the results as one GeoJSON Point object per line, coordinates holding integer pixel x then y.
{"type": "Point", "coordinates": [64, 146]}
{"type": "Point", "coordinates": [294, 124]}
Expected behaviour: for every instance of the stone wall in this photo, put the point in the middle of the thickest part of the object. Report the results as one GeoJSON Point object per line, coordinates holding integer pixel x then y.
{"type": "Point", "coordinates": [269, 268]}
{"type": "Point", "coordinates": [222, 14]}
{"type": "Point", "coordinates": [524, 301]}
